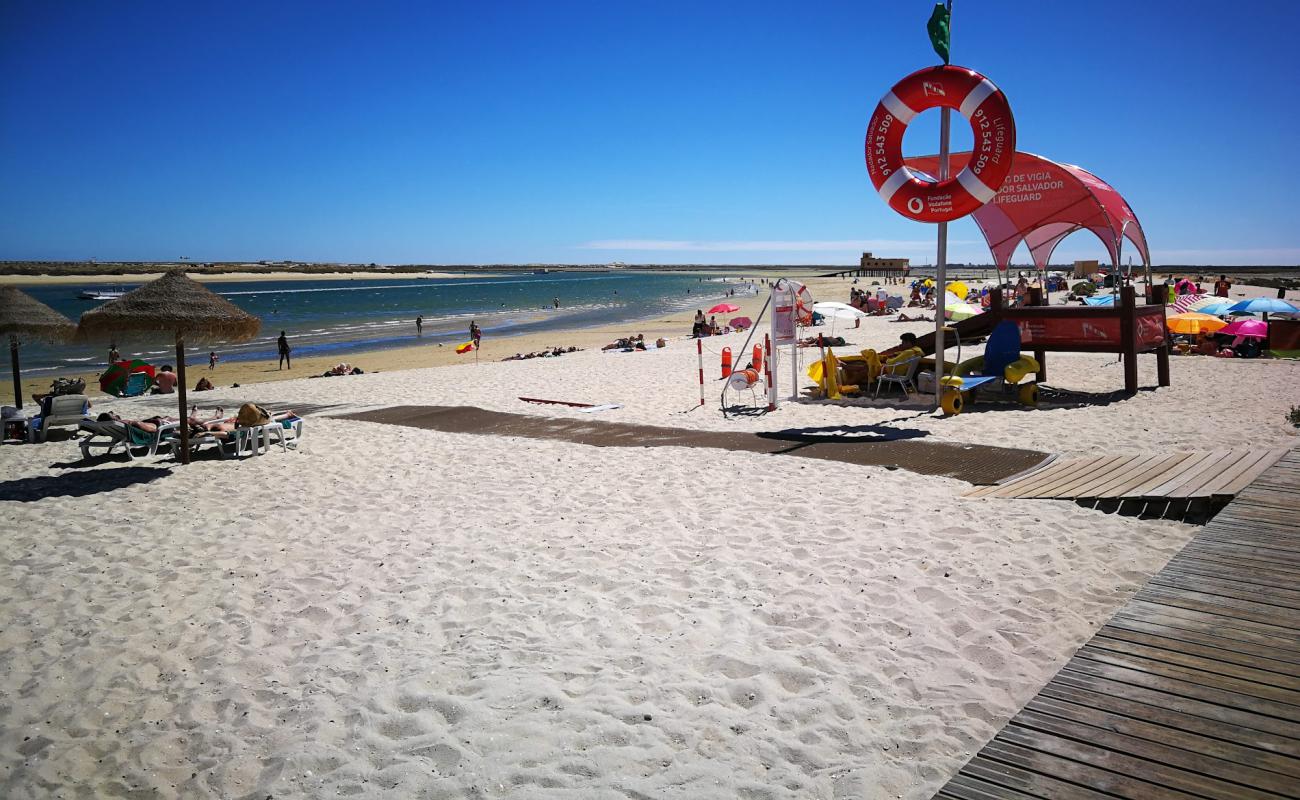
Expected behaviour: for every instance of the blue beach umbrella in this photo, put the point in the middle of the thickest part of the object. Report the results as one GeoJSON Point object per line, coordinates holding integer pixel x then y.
{"type": "Point", "coordinates": [1216, 309]}
{"type": "Point", "coordinates": [1265, 305]}
{"type": "Point", "coordinates": [1100, 300]}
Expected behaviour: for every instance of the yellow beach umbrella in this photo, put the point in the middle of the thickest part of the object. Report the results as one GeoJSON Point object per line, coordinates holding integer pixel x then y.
{"type": "Point", "coordinates": [1194, 322]}
{"type": "Point", "coordinates": [958, 288]}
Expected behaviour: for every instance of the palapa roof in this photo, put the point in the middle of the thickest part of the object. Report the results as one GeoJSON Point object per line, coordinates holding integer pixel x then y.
{"type": "Point", "coordinates": [22, 313]}
{"type": "Point", "coordinates": [174, 303]}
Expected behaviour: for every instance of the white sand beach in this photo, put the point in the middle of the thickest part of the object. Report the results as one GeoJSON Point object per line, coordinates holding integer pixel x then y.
{"type": "Point", "coordinates": [394, 612]}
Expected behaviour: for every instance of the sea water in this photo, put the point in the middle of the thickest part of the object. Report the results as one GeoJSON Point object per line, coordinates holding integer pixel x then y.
{"type": "Point", "coordinates": [341, 316]}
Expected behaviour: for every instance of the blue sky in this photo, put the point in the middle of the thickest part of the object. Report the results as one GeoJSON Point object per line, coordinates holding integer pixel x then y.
{"type": "Point", "coordinates": [662, 132]}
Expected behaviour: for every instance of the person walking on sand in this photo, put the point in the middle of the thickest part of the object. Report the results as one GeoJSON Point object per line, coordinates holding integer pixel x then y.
{"type": "Point", "coordinates": [212, 359]}
{"type": "Point", "coordinates": [283, 344]}
{"type": "Point", "coordinates": [419, 325]}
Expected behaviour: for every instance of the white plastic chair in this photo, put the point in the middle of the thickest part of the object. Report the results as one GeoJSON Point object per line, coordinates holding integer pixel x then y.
{"type": "Point", "coordinates": [901, 374]}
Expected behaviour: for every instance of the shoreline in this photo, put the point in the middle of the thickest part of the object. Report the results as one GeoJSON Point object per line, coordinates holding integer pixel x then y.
{"type": "Point", "coordinates": [672, 327]}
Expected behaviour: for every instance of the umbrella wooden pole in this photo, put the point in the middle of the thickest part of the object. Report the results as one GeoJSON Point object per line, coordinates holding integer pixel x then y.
{"type": "Point", "coordinates": [13, 360]}
{"type": "Point", "coordinates": [180, 393]}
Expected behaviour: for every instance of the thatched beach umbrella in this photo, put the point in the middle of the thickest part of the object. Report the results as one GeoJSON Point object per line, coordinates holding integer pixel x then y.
{"type": "Point", "coordinates": [178, 305]}
{"type": "Point", "coordinates": [20, 313]}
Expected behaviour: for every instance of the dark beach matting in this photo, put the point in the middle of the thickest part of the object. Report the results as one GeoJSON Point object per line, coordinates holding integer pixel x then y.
{"type": "Point", "coordinates": [1191, 690]}
{"type": "Point", "coordinates": [867, 445]}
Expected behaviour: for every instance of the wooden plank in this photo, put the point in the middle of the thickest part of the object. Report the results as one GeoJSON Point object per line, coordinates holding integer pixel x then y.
{"type": "Point", "coordinates": [1073, 744]}
{"type": "Point", "coordinates": [1172, 639]}
{"type": "Point", "coordinates": [1006, 780]}
{"type": "Point", "coordinates": [1135, 469]}
{"type": "Point", "coordinates": [1189, 472]}
{"type": "Point", "coordinates": [1247, 573]}
{"type": "Point", "coordinates": [1043, 763]}
{"type": "Point", "coordinates": [1157, 479]}
{"type": "Point", "coordinates": [1219, 486]}
{"type": "Point", "coordinates": [1177, 684]}
{"type": "Point", "coordinates": [1232, 556]}
{"type": "Point", "coordinates": [1130, 686]}
{"type": "Point", "coordinates": [1166, 746]}
{"type": "Point", "coordinates": [1213, 636]}
{"type": "Point", "coordinates": [1249, 695]}
{"type": "Point", "coordinates": [1201, 663]}
{"type": "Point", "coordinates": [1193, 686]}
{"type": "Point", "coordinates": [987, 491]}
{"type": "Point", "coordinates": [1200, 487]}
{"type": "Point", "coordinates": [1278, 753]}
{"type": "Point", "coordinates": [1245, 478]}
{"type": "Point", "coordinates": [1066, 486]}
{"type": "Point", "coordinates": [1027, 486]}
{"type": "Point", "coordinates": [1224, 607]}
{"type": "Point", "coordinates": [1227, 585]}
{"type": "Point", "coordinates": [1227, 627]}
{"type": "Point", "coordinates": [1124, 482]}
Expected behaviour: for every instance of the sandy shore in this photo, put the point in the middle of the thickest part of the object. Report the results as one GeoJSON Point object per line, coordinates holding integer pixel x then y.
{"type": "Point", "coordinates": [391, 612]}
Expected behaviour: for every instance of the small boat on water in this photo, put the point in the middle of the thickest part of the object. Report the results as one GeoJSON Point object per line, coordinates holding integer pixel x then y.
{"type": "Point", "coordinates": [101, 294]}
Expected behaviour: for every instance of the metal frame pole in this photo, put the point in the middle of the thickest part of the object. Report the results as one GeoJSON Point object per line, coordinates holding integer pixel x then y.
{"type": "Point", "coordinates": [13, 360]}
{"type": "Point", "coordinates": [941, 265]}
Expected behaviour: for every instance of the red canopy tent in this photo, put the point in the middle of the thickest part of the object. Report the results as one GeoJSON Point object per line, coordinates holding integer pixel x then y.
{"type": "Point", "coordinates": [1041, 202]}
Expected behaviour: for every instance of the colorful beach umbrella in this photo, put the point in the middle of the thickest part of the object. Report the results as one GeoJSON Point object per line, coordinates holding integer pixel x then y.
{"type": "Point", "coordinates": [960, 311]}
{"type": "Point", "coordinates": [1194, 322]}
{"type": "Point", "coordinates": [1191, 302]}
{"type": "Point", "coordinates": [724, 308]}
{"type": "Point", "coordinates": [1264, 305]}
{"type": "Point", "coordinates": [1218, 307]}
{"type": "Point", "coordinates": [1246, 327]}
{"type": "Point", "coordinates": [958, 288]}
{"type": "Point", "coordinates": [742, 322]}
{"type": "Point", "coordinates": [115, 378]}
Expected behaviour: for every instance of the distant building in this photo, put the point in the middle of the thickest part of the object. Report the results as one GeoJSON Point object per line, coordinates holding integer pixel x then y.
{"type": "Point", "coordinates": [882, 267]}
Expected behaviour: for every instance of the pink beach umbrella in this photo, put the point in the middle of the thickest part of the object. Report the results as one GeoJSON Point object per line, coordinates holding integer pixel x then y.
{"type": "Point", "coordinates": [1247, 327]}
{"type": "Point", "coordinates": [724, 308]}
{"type": "Point", "coordinates": [742, 323]}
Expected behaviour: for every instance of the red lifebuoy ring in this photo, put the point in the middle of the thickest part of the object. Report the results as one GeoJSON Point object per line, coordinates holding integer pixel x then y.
{"type": "Point", "coordinates": [994, 129]}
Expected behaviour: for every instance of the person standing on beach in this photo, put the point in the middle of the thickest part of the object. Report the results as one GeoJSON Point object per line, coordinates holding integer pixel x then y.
{"type": "Point", "coordinates": [556, 301]}
{"type": "Point", "coordinates": [283, 344]}
{"type": "Point", "coordinates": [113, 355]}
{"type": "Point", "coordinates": [212, 359]}
{"type": "Point", "coordinates": [1221, 286]}
{"type": "Point", "coordinates": [419, 325]}
{"type": "Point", "coordinates": [475, 333]}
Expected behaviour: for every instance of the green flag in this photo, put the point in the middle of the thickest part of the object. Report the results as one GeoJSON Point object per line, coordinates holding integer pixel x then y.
{"type": "Point", "coordinates": [940, 34]}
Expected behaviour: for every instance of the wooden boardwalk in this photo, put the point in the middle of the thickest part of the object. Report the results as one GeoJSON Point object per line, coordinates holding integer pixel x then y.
{"type": "Point", "coordinates": [1192, 690]}
{"type": "Point", "coordinates": [1216, 475]}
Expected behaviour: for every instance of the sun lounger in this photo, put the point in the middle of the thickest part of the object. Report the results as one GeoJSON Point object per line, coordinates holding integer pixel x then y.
{"type": "Point", "coordinates": [64, 410]}
{"type": "Point", "coordinates": [253, 440]}
{"type": "Point", "coordinates": [110, 435]}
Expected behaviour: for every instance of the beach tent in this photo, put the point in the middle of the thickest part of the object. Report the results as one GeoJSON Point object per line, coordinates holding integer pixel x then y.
{"type": "Point", "coordinates": [177, 305]}
{"type": "Point", "coordinates": [1041, 202]}
{"type": "Point", "coordinates": [23, 315]}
